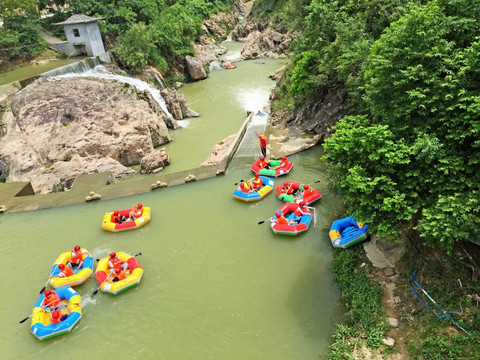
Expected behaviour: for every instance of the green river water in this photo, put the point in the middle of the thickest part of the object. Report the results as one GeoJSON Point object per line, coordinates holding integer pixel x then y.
{"type": "Point", "coordinates": [216, 285]}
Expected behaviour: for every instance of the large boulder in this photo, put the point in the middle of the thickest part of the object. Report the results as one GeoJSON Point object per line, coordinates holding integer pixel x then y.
{"type": "Point", "coordinates": [177, 104]}
{"type": "Point", "coordinates": [154, 162]}
{"type": "Point", "coordinates": [195, 68]}
{"type": "Point", "coordinates": [59, 128]}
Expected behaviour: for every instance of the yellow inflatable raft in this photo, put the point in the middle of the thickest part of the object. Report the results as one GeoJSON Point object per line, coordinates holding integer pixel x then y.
{"type": "Point", "coordinates": [80, 275]}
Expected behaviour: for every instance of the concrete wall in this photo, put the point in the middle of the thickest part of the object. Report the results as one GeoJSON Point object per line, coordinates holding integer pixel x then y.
{"type": "Point", "coordinates": [19, 197]}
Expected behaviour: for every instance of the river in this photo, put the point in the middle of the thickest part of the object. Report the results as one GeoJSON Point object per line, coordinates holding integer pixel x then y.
{"type": "Point", "coordinates": [217, 285]}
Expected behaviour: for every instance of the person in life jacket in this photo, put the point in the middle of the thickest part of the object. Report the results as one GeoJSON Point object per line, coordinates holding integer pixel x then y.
{"type": "Point", "coordinates": [282, 164]}
{"type": "Point", "coordinates": [280, 219]}
{"type": "Point", "coordinates": [116, 218]}
{"type": "Point", "coordinates": [116, 275]}
{"type": "Point", "coordinates": [297, 215]}
{"type": "Point", "coordinates": [51, 301]}
{"type": "Point", "coordinates": [55, 318]}
{"type": "Point", "coordinates": [114, 262]}
{"type": "Point", "coordinates": [287, 188]}
{"type": "Point", "coordinates": [263, 144]}
{"type": "Point", "coordinates": [244, 188]}
{"type": "Point", "coordinates": [257, 183]}
{"type": "Point", "coordinates": [307, 192]}
{"type": "Point", "coordinates": [77, 257]}
{"type": "Point", "coordinates": [136, 211]}
{"type": "Point", "coordinates": [65, 271]}
{"type": "Point", "coordinates": [263, 164]}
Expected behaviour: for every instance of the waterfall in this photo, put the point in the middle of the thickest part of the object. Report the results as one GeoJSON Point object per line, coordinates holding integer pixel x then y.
{"type": "Point", "coordinates": [101, 72]}
{"type": "Point", "coordinates": [77, 67]}
{"type": "Point", "coordinates": [159, 81]}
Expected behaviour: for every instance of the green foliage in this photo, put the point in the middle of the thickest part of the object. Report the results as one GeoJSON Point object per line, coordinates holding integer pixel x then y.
{"type": "Point", "coordinates": [19, 38]}
{"type": "Point", "coordinates": [444, 346]}
{"type": "Point", "coordinates": [417, 158]}
{"type": "Point", "coordinates": [9, 8]}
{"type": "Point", "coordinates": [137, 48]}
{"type": "Point", "coordinates": [364, 320]}
{"type": "Point", "coordinates": [175, 30]}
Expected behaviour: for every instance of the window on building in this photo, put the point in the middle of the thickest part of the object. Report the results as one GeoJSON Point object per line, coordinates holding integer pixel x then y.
{"type": "Point", "coordinates": [76, 33]}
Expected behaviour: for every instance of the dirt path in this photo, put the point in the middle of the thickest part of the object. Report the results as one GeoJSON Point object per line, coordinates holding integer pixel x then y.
{"type": "Point", "coordinates": [384, 258]}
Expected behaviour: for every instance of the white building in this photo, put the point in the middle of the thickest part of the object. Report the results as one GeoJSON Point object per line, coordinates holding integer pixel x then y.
{"type": "Point", "coordinates": [83, 37]}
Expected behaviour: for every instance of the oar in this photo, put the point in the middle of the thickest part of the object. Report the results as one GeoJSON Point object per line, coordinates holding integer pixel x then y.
{"type": "Point", "coordinates": [133, 256]}
{"type": "Point", "coordinates": [261, 222]}
{"type": "Point", "coordinates": [45, 286]}
{"type": "Point", "coordinates": [314, 182]}
{"type": "Point", "coordinates": [36, 312]}
{"type": "Point", "coordinates": [239, 183]}
{"type": "Point", "coordinates": [28, 317]}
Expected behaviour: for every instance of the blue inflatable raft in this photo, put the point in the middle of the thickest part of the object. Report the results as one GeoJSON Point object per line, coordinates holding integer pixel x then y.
{"type": "Point", "coordinates": [347, 232]}
{"type": "Point", "coordinates": [267, 187]}
{"type": "Point", "coordinates": [43, 328]}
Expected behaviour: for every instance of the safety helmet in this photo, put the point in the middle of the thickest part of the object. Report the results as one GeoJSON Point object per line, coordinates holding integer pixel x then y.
{"type": "Point", "coordinates": [118, 270]}
{"type": "Point", "coordinates": [55, 314]}
{"type": "Point", "coordinates": [306, 186]}
{"type": "Point", "coordinates": [242, 185]}
{"type": "Point", "coordinates": [256, 175]}
{"type": "Point", "coordinates": [302, 203]}
{"type": "Point", "coordinates": [47, 292]}
{"type": "Point", "coordinates": [262, 158]}
{"type": "Point", "coordinates": [139, 205]}
{"type": "Point", "coordinates": [284, 158]}
{"type": "Point", "coordinates": [116, 212]}
{"type": "Point", "coordinates": [298, 212]}
{"type": "Point", "coordinates": [77, 248]}
{"type": "Point", "coordinates": [112, 255]}
{"type": "Point", "coordinates": [278, 214]}
{"type": "Point", "coordinates": [61, 266]}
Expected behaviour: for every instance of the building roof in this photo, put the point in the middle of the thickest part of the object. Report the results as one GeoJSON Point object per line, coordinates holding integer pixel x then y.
{"type": "Point", "coordinates": [78, 19]}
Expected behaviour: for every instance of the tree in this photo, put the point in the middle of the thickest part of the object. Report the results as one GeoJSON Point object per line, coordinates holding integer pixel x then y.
{"type": "Point", "coordinates": [422, 88]}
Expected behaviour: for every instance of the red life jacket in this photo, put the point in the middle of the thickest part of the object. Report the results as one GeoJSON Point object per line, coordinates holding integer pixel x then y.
{"type": "Point", "coordinates": [77, 258]}
{"type": "Point", "coordinates": [52, 300]}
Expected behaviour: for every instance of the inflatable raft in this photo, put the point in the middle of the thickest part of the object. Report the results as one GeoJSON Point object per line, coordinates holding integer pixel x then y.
{"type": "Point", "coordinates": [133, 274]}
{"type": "Point", "coordinates": [267, 187]}
{"type": "Point", "coordinates": [80, 275]}
{"type": "Point", "coordinates": [292, 191]}
{"type": "Point", "coordinates": [295, 228]}
{"type": "Point", "coordinates": [270, 171]}
{"type": "Point", "coordinates": [230, 66]}
{"type": "Point", "coordinates": [347, 232]}
{"type": "Point", "coordinates": [109, 225]}
{"type": "Point", "coordinates": [41, 325]}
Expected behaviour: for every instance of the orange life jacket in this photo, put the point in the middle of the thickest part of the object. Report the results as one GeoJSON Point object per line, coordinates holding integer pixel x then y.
{"type": "Point", "coordinates": [283, 163]}
{"type": "Point", "coordinates": [77, 258]}
{"type": "Point", "coordinates": [307, 193]}
{"type": "Point", "coordinates": [263, 164]}
{"type": "Point", "coordinates": [121, 275]}
{"type": "Point", "coordinates": [67, 272]}
{"type": "Point", "coordinates": [282, 221]}
{"type": "Point", "coordinates": [115, 263]}
{"type": "Point", "coordinates": [53, 300]}
{"type": "Point", "coordinates": [137, 212]}
{"type": "Point", "coordinates": [257, 183]}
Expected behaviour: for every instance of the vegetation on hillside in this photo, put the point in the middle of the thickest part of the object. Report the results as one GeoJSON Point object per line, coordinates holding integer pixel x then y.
{"type": "Point", "coordinates": [410, 69]}
{"type": "Point", "coordinates": [139, 32]}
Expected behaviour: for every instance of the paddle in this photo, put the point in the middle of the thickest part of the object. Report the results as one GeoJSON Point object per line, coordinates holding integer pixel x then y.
{"type": "Point", "coordinates": [239, 183]}
{"type": "Point", "coordinates": [133, 256]}
{"type": "Point", "coordinates": [261, 222]}
{"type": "Point", "coordinates": [36, 312]}
{"type": "Point", "coordinates": [96, 291]}
{"type": "Point", "coordinates": [45, 286]}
